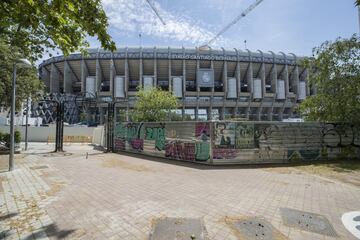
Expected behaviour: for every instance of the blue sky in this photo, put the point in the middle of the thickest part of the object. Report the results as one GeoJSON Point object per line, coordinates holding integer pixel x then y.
{"type": "Point", "coordinates": [279, 25]}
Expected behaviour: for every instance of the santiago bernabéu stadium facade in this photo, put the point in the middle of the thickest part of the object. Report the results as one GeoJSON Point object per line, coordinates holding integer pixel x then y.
{"type": "Point", "coordinates": [210, 84]}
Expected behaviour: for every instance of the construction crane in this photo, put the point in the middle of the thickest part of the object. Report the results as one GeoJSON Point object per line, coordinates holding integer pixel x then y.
{"type": "Point", "coordinates": [155, 11]}
{"type": "Point", "coordinates": [233, 22]}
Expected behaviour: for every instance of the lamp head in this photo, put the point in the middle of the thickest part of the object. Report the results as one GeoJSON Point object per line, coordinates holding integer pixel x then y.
{"type": "Point", "coordinates": [23, 62]}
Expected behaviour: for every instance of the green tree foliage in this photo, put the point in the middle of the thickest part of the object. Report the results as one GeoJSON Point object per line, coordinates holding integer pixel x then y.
{"type": "Point", "coordinates": [153, 105]}
{"type": "Point", "coordinates": [36, 25]}
{"type": "Point", "coordinates": [27, 80]}
{"type": "Point", "coordinates": [335, 73]}
{"type": "Point", "coordinates": [357, 3]}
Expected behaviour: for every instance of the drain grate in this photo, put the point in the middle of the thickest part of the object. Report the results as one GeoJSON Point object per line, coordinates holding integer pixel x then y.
{"type": "Point", "coordinates": [178, 229]}
{"type": "Point", "coordinates": [310, 222]}
{"type": "Point", "coordinates": [254, 228]}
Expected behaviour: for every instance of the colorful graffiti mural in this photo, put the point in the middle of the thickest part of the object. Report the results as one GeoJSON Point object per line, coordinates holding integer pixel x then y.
{"type": "Point", "coordinates": [239, 142]}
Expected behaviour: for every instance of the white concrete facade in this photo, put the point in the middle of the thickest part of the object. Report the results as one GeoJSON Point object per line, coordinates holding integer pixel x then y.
{"type": "Point", "coordinates": [264, 86]}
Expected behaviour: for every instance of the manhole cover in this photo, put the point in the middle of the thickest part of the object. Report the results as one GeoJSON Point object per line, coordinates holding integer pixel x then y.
{"type": "Point", "coordinates": [178, 229]}
{"type": "Point", "coordinates": [254, 228]}
{"type": "Point", "coordinates": [307, 221]}
{"type": "Point", "coordinates": [38, 167]}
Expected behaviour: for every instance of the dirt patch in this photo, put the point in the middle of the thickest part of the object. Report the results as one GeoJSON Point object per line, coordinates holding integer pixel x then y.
{"type": "Point", "coordinates": [4, 163]}
{"type": "Point", "coordinates": [55, 188]}
{"type": "Point", "coordinates": [2, 179]}
{"type": "Point", "coordinates": [23, 222]}
{"type": "Point", "coordinates": [117, 163]}
{"type": "Point", "coordinates": [282, 170]}
{"type": "Point", "coordinates": [346, 172]}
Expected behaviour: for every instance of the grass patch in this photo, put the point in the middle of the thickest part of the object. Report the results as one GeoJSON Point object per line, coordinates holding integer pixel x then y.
{"type": "Point", "coordinates": [338, 166]}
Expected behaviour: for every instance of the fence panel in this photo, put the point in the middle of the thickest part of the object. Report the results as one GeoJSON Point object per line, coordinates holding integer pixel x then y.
{"type": "Point", "coordinates": [227, 142]}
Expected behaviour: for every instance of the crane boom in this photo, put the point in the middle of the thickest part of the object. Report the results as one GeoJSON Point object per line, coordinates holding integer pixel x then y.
{"type": "Point", "coordinates": [233, 22]}
{"type": "Point", "coordinates": [155, 11]}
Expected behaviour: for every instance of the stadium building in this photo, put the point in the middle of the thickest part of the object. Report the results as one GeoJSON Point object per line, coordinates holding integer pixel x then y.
{"type": "Point", "coordinates": [212, 84]}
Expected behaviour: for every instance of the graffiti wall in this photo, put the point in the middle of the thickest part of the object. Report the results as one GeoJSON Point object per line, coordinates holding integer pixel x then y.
{"type": "Point", "coordinates": [239, 142]}
{"type": "Point", "coordinates": [188, 141]}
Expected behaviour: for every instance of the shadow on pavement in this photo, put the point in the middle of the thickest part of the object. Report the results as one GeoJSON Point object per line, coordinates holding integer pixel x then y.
{"type": "Point", "coordinates": [4, 217]}
{"type": "Point", "coordinates": [52, 231]}
{"type": "Point", "coordinates": [207, 166]}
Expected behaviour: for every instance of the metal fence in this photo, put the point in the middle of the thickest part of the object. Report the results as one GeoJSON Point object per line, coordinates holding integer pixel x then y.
{"type": "Point", "coordinates": [227, 142]}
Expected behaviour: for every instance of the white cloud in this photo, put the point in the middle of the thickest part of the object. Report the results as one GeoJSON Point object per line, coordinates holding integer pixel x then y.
{"type": "Point", "coordinates": [136, 16]}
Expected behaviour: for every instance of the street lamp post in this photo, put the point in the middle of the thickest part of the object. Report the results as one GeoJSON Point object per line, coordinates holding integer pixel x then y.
{"type": "Point", "coordinates": [26, 63]}
{"type": "Point", "coordinates": [26, 123]}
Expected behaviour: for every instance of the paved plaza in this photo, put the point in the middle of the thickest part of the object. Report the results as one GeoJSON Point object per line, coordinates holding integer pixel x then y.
{"type": "Point", "coordinates": [87, 194]}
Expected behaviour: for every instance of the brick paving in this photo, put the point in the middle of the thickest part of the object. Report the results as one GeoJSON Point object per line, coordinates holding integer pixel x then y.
{"type": "Point", "coordinates": [112, 196]}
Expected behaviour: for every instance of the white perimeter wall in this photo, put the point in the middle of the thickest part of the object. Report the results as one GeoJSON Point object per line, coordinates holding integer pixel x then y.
{"type": "Point", "coordinates": [41, 134]}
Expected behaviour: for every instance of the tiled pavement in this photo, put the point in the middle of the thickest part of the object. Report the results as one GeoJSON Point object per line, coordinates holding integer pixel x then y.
{"type": "Point", "coordinates": [111, 196]}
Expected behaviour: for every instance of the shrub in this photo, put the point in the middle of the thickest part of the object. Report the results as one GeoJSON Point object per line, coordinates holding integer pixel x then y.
{"type": "Point", "coordinates": [5, 137]}
{"type": "Point", "coordinates": [17, 137]}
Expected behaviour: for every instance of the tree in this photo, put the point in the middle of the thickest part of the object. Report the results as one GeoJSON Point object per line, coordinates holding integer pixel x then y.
{"type": "Point", "coordinates": [27, 80]}
{"type": "Point", "coordinates": [37, 25]}
{"type": "Point", "coordinates": [153, 105]}
{"type": "Point", "coordinates": [335, 73]}
{"type": "Point", "coordinates": [357, 2]}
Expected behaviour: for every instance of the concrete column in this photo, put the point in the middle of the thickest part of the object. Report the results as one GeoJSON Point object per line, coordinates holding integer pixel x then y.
{"type": "Point", "coordinates": [224, 78]}
{"type": "Point", "coordinates": [212, 67]}
{"type": "Point", "coordinates": [141, 69]}
{"type": "Point", "coordinates": [249, 77]}
{"type": "Point", "coordinates": [238, 78]}
{"type": "Point", "coordinates": [126, 67]}
{"type": "Point", "coordinates": [112, 76]}
{"type": "Point", "coordinates": [68, 78]}
{"type": "Point", "coordinates": [286, 79]}
{"type": "Point", "coordinates": [84, 74]}
{"type": "Point", "coordinates": [184, 81]}
{"type": "Point", "coordinates": [273, 75]}
{"type": "Point", "coordinates": [262, 74]}
{"type": "Point", "coordinates": [197, 84]}
{"type": "Point", "coordinates": [98, 75]}
{"type": "Point", "coordinates": [169, 66]}
{"type": "Point", "coordinates": [197, 113]}
{"type": "Point", "coordinates": [54, 79]}
{"type": "Point", "coordinates": [295, 81]}
{"type": "Point", "coordinates": [197, 88]}
{"type": "Point", "coordinates": [262, 77]}
{"type": "Point", "coordinates": [184, 77]}
{"type": "Point", "coordinates": [155, 68]}
{"type": "Point", "coordinates": [224, 75]}
{"type": "Point", "coordinates": [274, 78]}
